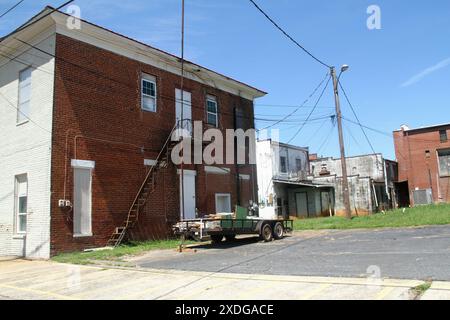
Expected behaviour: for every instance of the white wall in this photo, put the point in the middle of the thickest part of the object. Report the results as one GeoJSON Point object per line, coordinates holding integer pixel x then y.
{"type": "Point", "coordinates": [26, 148]}
{"type": "Point", "coordinates": [363, 166]}
{"type": "Point", "coordinates": [265, 170]}
{"type": "Point", "coordinates": [291, 155]}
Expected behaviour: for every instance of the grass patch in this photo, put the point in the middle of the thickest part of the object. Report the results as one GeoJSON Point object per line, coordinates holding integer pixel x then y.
{"type": "Point", "coordinates": [130, 249]}
{"type": "Point", "coordinates": [411, 217]}
{"type": "Point", "coordinates": [419, 291]}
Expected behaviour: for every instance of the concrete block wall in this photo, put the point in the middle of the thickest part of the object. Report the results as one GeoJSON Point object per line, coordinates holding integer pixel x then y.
{"type": "Point", "coordinates": [26, 149]}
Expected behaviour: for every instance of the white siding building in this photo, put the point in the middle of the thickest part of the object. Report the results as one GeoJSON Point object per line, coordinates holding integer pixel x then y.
{"type": "Point", "coordinates": [284, 188]}
{"type": "Point", "coordinates": [26, 103]}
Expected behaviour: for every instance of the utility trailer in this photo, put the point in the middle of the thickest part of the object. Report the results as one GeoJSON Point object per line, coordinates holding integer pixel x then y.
{"type": "Point", "coordinates": [218, 229]}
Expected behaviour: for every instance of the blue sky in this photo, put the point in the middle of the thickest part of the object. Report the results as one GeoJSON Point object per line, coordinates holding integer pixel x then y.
{"type": "Point", "coordinates": [399, 74]}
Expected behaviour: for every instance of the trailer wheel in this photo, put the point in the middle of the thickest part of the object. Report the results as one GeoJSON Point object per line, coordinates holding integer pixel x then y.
{"type": "Point", "coordinates": [216, 239]}
{"type": "Point", "coordinates": [266, 233]}
{"type": "Point", "coordinates": [278, 231]}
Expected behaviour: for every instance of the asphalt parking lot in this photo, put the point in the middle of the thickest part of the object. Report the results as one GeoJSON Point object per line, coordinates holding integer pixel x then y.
{"type": "Point", "coordinates": [413, 253]}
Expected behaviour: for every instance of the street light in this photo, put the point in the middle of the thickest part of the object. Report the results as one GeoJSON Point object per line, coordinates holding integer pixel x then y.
{"type": "Point", "coordinates": [344, 68]}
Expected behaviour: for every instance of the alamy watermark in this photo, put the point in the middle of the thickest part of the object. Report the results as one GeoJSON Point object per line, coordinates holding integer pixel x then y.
{"type": "Point", "coordinates": [214, 146]}
{"type": "Point", "coordinates": [374, 19]}
{"type": "Point", "coordinates": [74, 19]}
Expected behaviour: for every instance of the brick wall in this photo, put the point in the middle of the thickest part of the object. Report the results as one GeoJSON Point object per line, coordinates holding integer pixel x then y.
{"type": "Point", "coordinates": [420, 171]}
{"type": "Point", "coordinates": [98, 117]}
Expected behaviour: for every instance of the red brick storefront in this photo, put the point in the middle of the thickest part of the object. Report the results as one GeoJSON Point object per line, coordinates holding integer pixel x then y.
{"type": "Point", "coordinates": [421, 155]}
{"type": "Point", "coordinates": [98, 117]}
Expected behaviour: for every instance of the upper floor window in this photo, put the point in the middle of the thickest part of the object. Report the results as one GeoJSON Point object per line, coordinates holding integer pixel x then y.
{"type": "Point", "coordinates": [23, 110]}
{"type": "Point", "coordinates": [211, 111]}
{"type": "Point", "coordinates": [298, 164]}
{"type": "Point", "coordinates": [21, 195]}
{"type": "Point", "coordinates": [444, 162]}
{"type": "Point", "coordinates": [283, 164]}
{"type": "Point", "coordinates": [443, 136]}
{"type": "Point", "coordinates": [148, 88]}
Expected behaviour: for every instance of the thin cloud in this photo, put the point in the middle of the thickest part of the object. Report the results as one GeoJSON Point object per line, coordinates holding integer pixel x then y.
{"type": "Point", "coordinates": [441, 65]}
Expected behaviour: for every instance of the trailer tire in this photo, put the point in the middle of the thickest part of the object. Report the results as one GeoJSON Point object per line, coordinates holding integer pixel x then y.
{"type": "Point", "coordinates": [216, 239]}
{"type": "Point", "coordinates": [278, 231]}
{"type": "Point", "coordinates": [266, 233]}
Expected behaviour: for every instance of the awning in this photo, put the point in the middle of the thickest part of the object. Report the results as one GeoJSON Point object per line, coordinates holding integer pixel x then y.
{"type": "Point", "coordinates": [303, 184]}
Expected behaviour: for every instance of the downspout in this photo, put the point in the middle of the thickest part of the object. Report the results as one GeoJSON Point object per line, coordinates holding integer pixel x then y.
{"type": "Point", "coordinates": [413, 185]}
{"type": "Point", "coordinates": [238, 176]}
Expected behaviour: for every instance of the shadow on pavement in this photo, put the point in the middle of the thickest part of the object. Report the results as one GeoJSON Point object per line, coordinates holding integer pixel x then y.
{"type": "Point", "coordinates": [239, 242]}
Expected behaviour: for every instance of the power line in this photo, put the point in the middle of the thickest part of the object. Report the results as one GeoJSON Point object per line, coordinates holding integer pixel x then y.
{"type": "Point", "coordinates": [357, 118]}
{"type": "Point", "coordinates": [22, 113]}
{"type": "Point", "coordinates": [349, 131]}
{"type": "Point", "coordinates": [312, 111]}
{"type": "Point", "coordinates": [289, 106]}
{"type": "Point", "coordinates": [317, 131]}
{"type": "Point", "coordinates": [369, 128]}
{"type": "Point", "coordinates": [288, 36]}
{"type": "Point", "coordinates": [32, 22]}
{"type": "Point", "coordinates": [11, 9]}
{"type": "Point", "coordinates": [125, 84]}
{"type": "Point", "coordinates": [297, 121]}
{"type": "Point", "coordinates": [301, 106]}
{"type": "Point", "coordinates": [327, 138]}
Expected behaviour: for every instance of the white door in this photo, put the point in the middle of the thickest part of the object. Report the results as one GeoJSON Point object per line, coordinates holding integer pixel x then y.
{"type": "Point", "coordinates": [301, 200]}
{"type": "Point", "coordinates": [186, 115]}
{"type": "Point", "coordinates": [189, 195]}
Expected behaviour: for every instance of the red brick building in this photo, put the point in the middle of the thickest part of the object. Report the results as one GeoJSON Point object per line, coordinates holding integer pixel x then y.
{"type": "Point", "coordinates": [115, 104]}
{"type": "Point", "coordinates": [423, 156]}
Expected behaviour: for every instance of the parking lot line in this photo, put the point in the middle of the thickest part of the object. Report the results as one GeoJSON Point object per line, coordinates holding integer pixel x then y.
{"type": "Point", "coordinates": [38, 292]}
{"type": "Point", "coordinates": [384, 293]}
{"type": "Point", "coordinates": [316, 291]}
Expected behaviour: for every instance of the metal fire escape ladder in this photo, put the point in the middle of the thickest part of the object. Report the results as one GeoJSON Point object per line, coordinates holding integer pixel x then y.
{"type": "Point", "coordinates": [146, 189]}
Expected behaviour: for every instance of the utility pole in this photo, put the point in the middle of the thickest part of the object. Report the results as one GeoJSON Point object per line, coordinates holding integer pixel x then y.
{"type": "Point", "coordinates": [345, 191]}
{"type": "Point", "coordinates": [183, 214]}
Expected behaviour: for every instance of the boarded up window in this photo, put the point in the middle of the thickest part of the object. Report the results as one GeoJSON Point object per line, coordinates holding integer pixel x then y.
{"type": "Point", "coordinates": [82, 203]}
{"type": "Point", "coordinates": [444, 162]}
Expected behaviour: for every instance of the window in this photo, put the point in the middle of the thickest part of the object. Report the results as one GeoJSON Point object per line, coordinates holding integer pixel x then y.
{"type": "Point", "coordinates": [148, 93]}
{"type": "Point", "coordinates": [444, 162]}
{"type": "Point", "coordinates": [223, 203]}
{"type": "Point", "coordinates": [443, 136]}
{"type": "Point", "coordinates": [82, 210]}
{"type": "Point", "coordinates": [21, 199]}
{"type": "Point", "coordinates": [298, 164]}
{"type": "Point", "coordinates": [23, 110]}
{"type": "Point", "coordinates": [211, 111]}
{"type": "Point", "coordinates": [283, 165]}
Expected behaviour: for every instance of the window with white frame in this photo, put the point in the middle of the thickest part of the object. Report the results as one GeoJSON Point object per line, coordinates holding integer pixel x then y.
{"type": "Point", "coordinates": [21, 206]}
{"type": "Point", "coordinates": [212, 111]}
{"type": "Point", "coordinates": [223, 203]}
{"type": "Point", "coordinates": [148, 90]}
{"type": "Point", "coordinates": [23, 110]}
